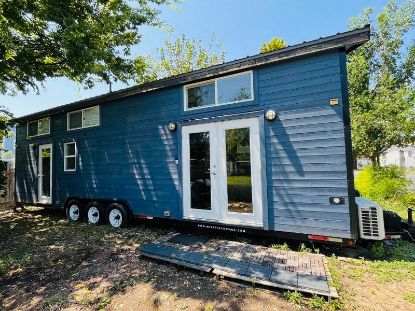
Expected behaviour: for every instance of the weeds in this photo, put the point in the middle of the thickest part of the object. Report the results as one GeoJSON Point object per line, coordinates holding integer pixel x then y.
{"type": "Point", "coordinates": [252, 292]}
{"type": "Point", "coordinates": [283, 247]}
{"type": "Point", "coordinates": [294, 297]}
{"type": "Point", "coordinates": [304, 249]}
{"type": "Point", "coordinates": [410, 297]}
{"type": "Point", "coordinates": [157, 301]}
{"type": "Point", "coordinates": [56, 302]}
{"type": "Point", "coordinates": [104, 301]}
{"type": "Point", "coordinates": [209, 307]}
{"type": "Point", "coordinates": [317, 302]}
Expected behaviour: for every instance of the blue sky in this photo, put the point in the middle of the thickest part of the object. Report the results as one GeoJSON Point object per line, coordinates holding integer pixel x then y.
{"type": "Point", "coordinates": [241, 25]}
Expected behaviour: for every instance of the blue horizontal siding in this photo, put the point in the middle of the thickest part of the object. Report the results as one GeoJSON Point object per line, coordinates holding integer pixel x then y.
{"type": "Point", "coordinates": [132, 154]}
{"type": "Point", "coordinates": [305, 149]}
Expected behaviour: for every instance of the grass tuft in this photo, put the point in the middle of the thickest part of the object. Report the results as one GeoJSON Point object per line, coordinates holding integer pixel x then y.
{"type": "Point", "coordinates": [410, 297]}
{"type": "Point", "coordinates": [294, 297]}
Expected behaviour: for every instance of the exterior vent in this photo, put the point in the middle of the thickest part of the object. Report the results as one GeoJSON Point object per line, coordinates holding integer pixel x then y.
{"type": "Point", "coordinates": [371, 222]}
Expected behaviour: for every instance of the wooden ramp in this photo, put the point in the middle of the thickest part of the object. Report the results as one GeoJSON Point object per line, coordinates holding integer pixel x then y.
{"type": "Point", "coordinates": [251, 263]}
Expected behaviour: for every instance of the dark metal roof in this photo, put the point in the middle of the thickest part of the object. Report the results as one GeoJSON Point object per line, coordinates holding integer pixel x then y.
{"type": "Point", "coordinates": [347, 40]}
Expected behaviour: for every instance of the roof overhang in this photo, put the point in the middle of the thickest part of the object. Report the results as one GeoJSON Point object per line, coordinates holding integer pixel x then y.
{"type": "Point", "coordinates": [347, 41]}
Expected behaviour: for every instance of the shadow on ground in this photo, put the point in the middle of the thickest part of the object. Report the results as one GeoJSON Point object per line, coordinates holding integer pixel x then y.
{"type": "Point", "coordinates": [47, 263]}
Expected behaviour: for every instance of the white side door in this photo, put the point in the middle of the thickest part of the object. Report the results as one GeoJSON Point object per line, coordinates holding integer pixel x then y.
{"type": "Point", "coordinates": [45, 174]}
{"type": "Point", "coordinates": [239, 172]}
{"type": "Point", "coordinates": [199, 149]}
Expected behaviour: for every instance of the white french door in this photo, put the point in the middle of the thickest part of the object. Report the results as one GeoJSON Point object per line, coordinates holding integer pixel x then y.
{"type": "Point", "coordinates": [45, 174]}
{"type": "Point", "coordinates": [222, 172]}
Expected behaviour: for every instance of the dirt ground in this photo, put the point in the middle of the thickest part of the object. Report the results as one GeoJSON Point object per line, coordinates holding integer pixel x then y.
{"type": "Point", "coordinates": [47, 263]}
{"type": "Point", "coordinates": [50, 264]}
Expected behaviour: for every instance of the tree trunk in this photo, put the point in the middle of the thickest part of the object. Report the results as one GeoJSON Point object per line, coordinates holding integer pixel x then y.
{"type": "Point", "coordinates": [375, 160]}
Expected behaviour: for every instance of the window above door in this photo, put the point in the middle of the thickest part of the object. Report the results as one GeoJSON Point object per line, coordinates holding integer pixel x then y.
{"type": "Point", "coordinates": [220, 91]}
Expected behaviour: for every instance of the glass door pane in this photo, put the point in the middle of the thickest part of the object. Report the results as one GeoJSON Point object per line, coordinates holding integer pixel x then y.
{"type": "Point", "coordinates": [238, 168]}
{"type": "Point", "coordinates": [200, 183]}
{"type": "Point", "coordinates": [45, 174]}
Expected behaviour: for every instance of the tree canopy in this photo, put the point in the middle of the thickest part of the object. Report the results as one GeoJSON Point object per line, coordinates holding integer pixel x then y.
{"type": "Point", "coordinates": [180, 55]}
{"type": "Point", "coordinates": [83, 40]}
{"type": "Point", "coordinates": [273, 45]}
{"type": "Point", "coordinates": [381, 82]}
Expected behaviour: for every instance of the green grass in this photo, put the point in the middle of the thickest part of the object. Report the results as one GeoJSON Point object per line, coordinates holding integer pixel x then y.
{"type": "Point", "coordinates": [239, 180]}
{"type": "Point", "coordinates": [410, 297]}
{"type": "Point", "coordinates": [294, 297]}
{"type": "Point", "coordinates": [392, 263]}
{"type": "Point", "coordinates": [239, 189]}
{"type": "Point", "coordinates": [283, 247]}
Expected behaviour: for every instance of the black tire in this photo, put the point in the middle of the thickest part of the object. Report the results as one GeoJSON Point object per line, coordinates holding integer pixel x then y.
{"type": "Point", "coordinates": [94, 213]}
{"type": "Point", "coordinates": [74, 211]}
{"type": "Point", "coordinates": [117, 216]}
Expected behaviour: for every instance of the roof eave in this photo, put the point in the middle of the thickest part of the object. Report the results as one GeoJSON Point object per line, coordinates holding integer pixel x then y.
{"type": "Point", "coordinates": [348, 40]}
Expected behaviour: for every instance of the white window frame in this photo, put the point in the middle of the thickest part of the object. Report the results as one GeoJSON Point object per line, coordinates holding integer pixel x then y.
{"type": "Point", "coordinates": [65, 156]}
{"type": "Point", "coordinates": [215, 81]}
{"type": "Point", "coordinates": [82, 111]}
{"type": "Point", "coordinates": [27, 127]}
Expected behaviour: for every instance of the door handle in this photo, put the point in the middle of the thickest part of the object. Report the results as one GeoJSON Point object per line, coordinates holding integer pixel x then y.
{"type": "Point", "coordinates": [213, 173]}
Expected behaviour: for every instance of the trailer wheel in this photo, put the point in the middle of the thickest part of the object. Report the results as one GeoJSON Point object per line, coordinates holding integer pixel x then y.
{"type": "Point", "coordinates": [74, 211]}
{"type": "Point", "coordinates": [94, 213]}
{"type": "Point", "coordinates": [117, 216]}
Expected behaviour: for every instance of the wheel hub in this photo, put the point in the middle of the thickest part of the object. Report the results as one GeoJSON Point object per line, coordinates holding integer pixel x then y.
{"type": "Point", "coordinates": [115, 218]}
{"type": "Point", "coordinates": [93, 215]}
{"type": "Point", "coordinates": [74, 212]}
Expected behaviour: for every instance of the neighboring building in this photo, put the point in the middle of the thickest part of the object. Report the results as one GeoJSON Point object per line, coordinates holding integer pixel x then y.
{"type": "Point", "coordinates": [400, 156]}
{"type": "Point", "coordinates": [261, 143]}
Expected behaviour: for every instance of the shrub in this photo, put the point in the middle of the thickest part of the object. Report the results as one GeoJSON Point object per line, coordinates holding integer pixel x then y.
{"type": "Point", "coordinates": [382, 183]}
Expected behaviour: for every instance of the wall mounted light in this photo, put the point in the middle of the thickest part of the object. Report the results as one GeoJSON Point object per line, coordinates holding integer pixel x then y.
{"type": "Point", "coordinates": [270, 115]}
{"type": "Point", "coordinates": [172, 127]}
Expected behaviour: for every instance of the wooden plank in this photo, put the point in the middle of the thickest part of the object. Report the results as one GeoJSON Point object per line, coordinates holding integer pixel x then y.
{"type": "Point", "coordinates": [332, 294]}
{"type": "Point", "coordinates": [179, 262]}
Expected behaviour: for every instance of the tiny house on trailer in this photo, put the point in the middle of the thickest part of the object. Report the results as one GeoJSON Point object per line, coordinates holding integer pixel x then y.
{"type": "Point", "coordinates": [261, 143]}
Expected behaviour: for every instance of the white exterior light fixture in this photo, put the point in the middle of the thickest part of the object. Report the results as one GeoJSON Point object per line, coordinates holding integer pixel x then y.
{"type": "Point", "coordinates": [270, 115]}
{"type": "Point", "coordinates": [172, 127]}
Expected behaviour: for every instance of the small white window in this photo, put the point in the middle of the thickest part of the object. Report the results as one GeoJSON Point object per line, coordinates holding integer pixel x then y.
{"type": "Point", "coordinates": [221, 91]}
{"type": "Point", "coordinates": [38, 127]}
{"type": "Point", "coordinates": [70, 153]}
{"type": "Point", "coordinates": [87, 117]}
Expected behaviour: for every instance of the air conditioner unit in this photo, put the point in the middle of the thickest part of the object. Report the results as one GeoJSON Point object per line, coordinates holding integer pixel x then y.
{"type": "Point", "coordinates": [371, 223]}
